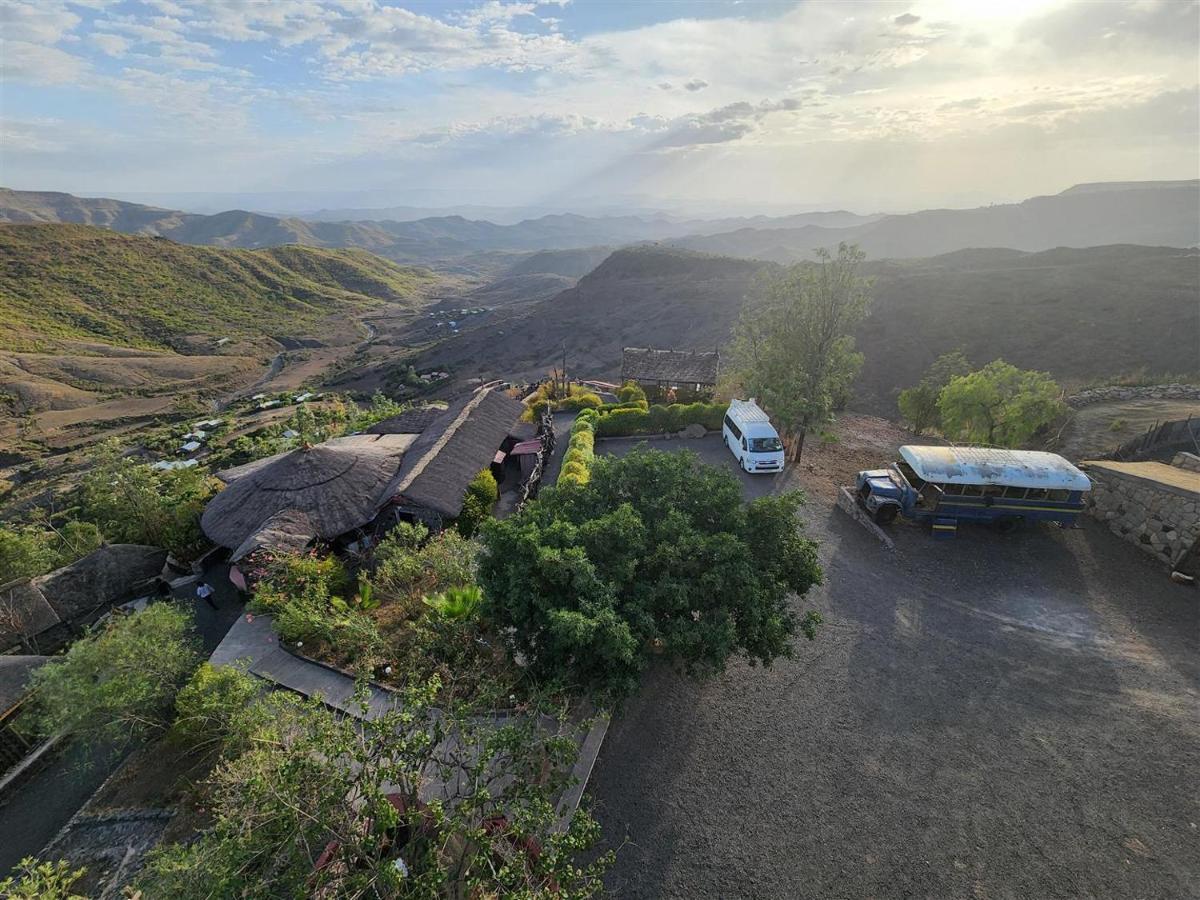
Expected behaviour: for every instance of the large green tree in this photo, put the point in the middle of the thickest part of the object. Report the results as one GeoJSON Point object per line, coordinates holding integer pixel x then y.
{"type": "Point", "coordinates": [919, 404]}
{"type": "Point", "coordinates": [999, 405]}
{"type": "Point", "coordinates": [119, 683]}
{"type": "Point", "coordinates": [655, 554]}
{"type": "Point", "coordinates": [793, 348]}
{"type": "Point", "coordinates": [29, 550]}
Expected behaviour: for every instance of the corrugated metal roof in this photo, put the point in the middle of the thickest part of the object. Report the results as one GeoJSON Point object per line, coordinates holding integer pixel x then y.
{"type": "Point", "coordinates": [985, 465]}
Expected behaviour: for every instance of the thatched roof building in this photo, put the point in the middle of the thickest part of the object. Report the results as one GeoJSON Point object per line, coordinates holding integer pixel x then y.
{"type": "Point", "coordinates": [441, 463]}
{"type": "Point", "coordinates": [15, 672]}
{"type": "Point", "coordinates": [670, 368]}
{"type": "Point", "coordinates": [286, 500]}
{"type": "Point", "coordinates": [42, 610]}
{"type": "Point", "coordinates": [411, 421]}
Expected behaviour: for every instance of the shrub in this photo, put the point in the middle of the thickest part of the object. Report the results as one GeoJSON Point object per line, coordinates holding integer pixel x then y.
{"type": "Point", "coordinates": [482, 494]}
{"type": "Point", "coordinates": [42, 881]}
{"type": "Point", "coordinates": [209, 704]}
{"type": "Point", "coordinates": [119, 683]}
{"type": "Point", "coordinates": [631, 391]}
{"type": "Point", "coordinates": [28, 551]}
{"type": "Point", "coordinates": [660, 419]}
{"type": "Point", "coordinates": [577, 402]}
{"type": "Point", "coordinates": [406, 570]}
{"type": "Point", "coordinates": [656, 552]}
{"type": "Point", "coordinates": [590, 414]}
{"type": "Point", "coordinates": [622, 422]}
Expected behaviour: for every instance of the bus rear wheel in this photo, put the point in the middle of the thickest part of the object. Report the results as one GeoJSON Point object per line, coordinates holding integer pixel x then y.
{"type": "Point", "coordinates": [886, 514]}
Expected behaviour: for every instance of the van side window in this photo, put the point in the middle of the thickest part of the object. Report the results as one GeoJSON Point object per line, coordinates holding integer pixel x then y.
{"type": "Point", "coordinates": [729, 423]}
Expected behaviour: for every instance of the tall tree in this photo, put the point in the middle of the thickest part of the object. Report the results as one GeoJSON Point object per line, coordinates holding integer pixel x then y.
{"type": "Point", "coordinates": [919, 404]}
{"type": "Point", "coordinates": [793, 350]}
{"type": "Point", "coordinates": [1000, 404]}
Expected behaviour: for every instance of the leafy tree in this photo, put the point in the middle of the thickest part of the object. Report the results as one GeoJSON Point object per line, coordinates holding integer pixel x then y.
{"type": "Point", "coordinates": [27, 551]}
{"type": "Point", "coordinates": [119, 683]}
{"type": "Point", "coordinates": [999, 404]}
{"type": "Point", "coordinates": [134, 503]}
{"type": "Point", "coordinates": [320, 805]}
{"type": "Point", "coordinates": [409, 564]}
{"type": "Point", "coordinates": [919, 404]}
{"type": "Point", "coordinates": [42, 881]}
{"type": "Point", "coordinates": [481, 495]}
{"type": "Point", "coordinates": [656, 553]}
{"type": "Point", "coordinates": [794, 350]}
{"type": "Point", "coordinates": [208, 709]}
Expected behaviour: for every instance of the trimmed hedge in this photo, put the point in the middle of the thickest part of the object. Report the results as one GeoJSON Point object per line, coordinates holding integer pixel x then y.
{"type": "Point", "coordinates": [628, 404]}
{"type": "Point", "coordinates": [577, 462]}
{"type": "Point", "coordinates": [660, 419]}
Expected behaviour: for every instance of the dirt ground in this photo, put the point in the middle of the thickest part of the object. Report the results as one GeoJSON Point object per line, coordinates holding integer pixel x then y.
{"type": "Point", "coordinates": [1102, 427]}
{"type": "Point", "coordinates": [992, 717]}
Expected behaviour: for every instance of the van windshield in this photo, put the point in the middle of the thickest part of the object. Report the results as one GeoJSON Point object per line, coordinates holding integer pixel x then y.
{"type": "Point", "coordinates": [765, 445]}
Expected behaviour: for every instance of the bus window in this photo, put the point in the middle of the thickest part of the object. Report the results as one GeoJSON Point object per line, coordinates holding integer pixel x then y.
{"type": "Point", "coordinates": [1036, 494]}
{"type": "Point", "coordinates": [910, 475]}
{"type": "Point", "coordinates": [993, 490]}
{"type": "Point", "coordinates": [1014, 493]}
{"type": "Point", "coordinates": [953, 490]}
{"type": "Point", "coordinates": [972, 490]}
{"type": "Point", "coordinates": [1059, 496]}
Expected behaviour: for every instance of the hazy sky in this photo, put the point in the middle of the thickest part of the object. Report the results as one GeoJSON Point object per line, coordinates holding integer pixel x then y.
{"type": "Point", "coordinates": [866, 105]}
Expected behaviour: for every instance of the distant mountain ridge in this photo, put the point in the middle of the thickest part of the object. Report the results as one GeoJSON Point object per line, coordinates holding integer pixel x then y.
{"type": "Point", "coordinates": [77, 282]}
{"type": "Point", "coordinates": [1154, 214]}
{"type": "Point", "coordinates": [1077, 313]}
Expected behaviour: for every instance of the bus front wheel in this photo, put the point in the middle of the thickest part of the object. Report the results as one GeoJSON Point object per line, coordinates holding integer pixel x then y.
{"type": "Point", "coordinates": [886, 514]}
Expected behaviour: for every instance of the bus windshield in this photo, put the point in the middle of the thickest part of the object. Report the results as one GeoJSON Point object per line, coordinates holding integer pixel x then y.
{"type": "Point", "coordinates": [765, 445]}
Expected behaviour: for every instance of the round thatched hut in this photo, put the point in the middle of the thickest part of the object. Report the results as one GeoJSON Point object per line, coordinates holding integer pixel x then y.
{"type": "Point", "coordinates": [318, 492]}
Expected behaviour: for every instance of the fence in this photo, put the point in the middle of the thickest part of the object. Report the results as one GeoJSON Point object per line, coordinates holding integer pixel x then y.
{"type": "Point", "coordinates": [1181, 434]}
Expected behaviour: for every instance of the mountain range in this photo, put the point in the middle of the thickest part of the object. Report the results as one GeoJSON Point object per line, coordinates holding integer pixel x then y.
{"type": "Point", "coordinates": [1150, 213]}
{"type": "Point", "coordinates": [1077, 313]}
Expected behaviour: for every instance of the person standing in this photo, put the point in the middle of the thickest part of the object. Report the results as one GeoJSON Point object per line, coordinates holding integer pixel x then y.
{"type": "Point", "coordinates": [204, 591]}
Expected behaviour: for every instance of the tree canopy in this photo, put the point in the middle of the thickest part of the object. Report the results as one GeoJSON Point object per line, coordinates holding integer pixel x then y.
{"type": "Point", "coordinates": [655, 554]}
{"type": "Point", "coordinates": [119, 683]}
{"type": "Point", "coordinates": [999, 404]}
{"type": "Point", "coordinates": [919, 404]}
{"type": "Point", "coordinates": [794, 351]}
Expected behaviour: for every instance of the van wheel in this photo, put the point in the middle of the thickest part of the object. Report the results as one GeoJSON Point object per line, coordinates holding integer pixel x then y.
{"type": "Point", "coordinates": [886, 514]}
{"type": "Point", "coordinates": [1008, 524]}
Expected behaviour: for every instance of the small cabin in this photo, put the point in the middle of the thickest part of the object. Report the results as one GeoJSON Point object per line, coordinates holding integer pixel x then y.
{"type": "Point", "coordinates": [682, 375]}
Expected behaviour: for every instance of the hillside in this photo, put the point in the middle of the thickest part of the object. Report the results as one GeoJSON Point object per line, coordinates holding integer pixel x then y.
{"type": "Point", "coordinates": [76, 282]}
{"type": "Point", "coordinates": [1149, 213]}
{"type": "Point", "coordinates": [1079, 314]}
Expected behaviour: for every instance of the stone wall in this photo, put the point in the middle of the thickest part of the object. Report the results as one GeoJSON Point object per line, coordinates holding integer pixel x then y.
{"type": "Point", "coordinates": [1162, 519]}
{"type": "Point", "coordinates": [1113, 392]}
{"type": "Point", "coordinates": [1187, 461]}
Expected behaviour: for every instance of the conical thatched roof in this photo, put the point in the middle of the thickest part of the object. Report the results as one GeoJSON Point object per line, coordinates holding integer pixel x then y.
{"type": "Point", "coordinates": [338, 485]}
{"type": "Point", "coordinates": [289, 531]}
{"type": "Point", "coordinates": [411, 421]}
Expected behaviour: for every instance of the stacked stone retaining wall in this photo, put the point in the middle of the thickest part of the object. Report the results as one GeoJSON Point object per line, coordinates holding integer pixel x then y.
{"type": "Point", "coordinates": [1162, 519]}
{"type": "Point", "coordinates": [1174, 391]}
{"type": "Point", "coordinates": [1189, 462]}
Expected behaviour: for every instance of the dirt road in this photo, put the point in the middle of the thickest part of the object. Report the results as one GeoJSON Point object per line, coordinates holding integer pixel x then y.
{"type": "Point", "coordinates": [989, 718]}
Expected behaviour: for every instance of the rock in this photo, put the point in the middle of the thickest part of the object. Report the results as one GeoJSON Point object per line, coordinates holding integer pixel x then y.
{"type": "Point", "coordinates": [695, 430]}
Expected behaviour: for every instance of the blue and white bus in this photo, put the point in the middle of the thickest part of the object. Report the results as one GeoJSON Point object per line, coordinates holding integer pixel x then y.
{"type": "Point", "coordinates": [948, 485]}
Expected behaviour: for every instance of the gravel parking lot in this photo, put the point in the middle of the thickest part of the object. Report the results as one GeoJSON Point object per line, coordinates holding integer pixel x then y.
{"type": "Point", "coordinates": [990, 717]}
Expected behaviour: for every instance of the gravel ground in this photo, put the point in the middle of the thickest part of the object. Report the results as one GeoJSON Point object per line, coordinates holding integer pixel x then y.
{"type": "Point", "coordinates": [991, 717]}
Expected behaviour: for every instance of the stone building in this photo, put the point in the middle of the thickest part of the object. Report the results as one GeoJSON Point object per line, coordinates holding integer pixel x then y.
{"type": "Point", "coordinates": [1151, 504]}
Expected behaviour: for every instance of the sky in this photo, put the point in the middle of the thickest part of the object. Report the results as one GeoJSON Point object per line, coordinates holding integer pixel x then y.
{"type": "Point", "coordinates": [870, 106]}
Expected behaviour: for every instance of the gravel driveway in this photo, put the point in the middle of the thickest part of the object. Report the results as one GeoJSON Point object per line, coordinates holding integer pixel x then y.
{"type": "Point", "coordinates": [988, 717]}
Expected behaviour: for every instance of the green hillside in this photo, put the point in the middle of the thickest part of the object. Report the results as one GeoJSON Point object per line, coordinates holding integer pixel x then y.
{"type": "Point", "coordinates": [74, 281]}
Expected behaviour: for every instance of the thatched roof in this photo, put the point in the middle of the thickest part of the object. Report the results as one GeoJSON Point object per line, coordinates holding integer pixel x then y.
{"type": "Point", "coordinates": [676, 366]}
{"type": "Point", "coordinates": [30, 606]}
{"type": "Point", "coordinates": [14, 678]}
{"type": "Point", "coordinates": [411, 421]}
{"type": "Point", "coordinates": [450, 452]}
{"type": "Point", "coordinates": [339, 485]}
{"type": "Point", "coordinates": [289, 531]}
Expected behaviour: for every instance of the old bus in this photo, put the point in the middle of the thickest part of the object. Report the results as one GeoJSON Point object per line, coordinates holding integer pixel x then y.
{"type": "Point", "coordinates": [946, 485]}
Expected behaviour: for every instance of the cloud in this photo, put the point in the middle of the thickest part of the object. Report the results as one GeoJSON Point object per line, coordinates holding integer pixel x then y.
{"type": "Point", "coordinates": [906, 19]}
{"type": "Point", "coordinates": [696, 84]}
{"type": "Point", "coordinates": [39, 64]}
{"type": "Point", "coordinates": [110, 44]}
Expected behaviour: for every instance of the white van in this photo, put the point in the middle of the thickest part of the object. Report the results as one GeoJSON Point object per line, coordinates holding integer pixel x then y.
{"type": "Point", "coordinates": [751, 438]}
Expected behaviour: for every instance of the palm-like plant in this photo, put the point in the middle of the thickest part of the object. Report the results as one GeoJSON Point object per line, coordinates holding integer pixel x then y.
{"type": "Point", "coordinates": [456, 604]}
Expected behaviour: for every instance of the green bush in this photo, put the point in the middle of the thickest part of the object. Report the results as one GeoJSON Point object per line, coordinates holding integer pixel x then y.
{"type": "Point", "coordinates": [209, 704]}
{"type": "Point", "coordinates": [589, 414]}
{"type": "Point", "coordinates": [578, 402]}
{"type": "Point", "coordinates": [622, 422]}
{"type": "Point", "coordinates": [407, 567]}
{"type": "Point", "coordinates": [119, 683]}
{"type": "Point", "coordinates": [482, 494]}
{"type": "Point", "coordinates": [33, 880]}
{"type": "Point", "coordinates": [631, 391]}
{"type": "Point", "coordinates": [28, 551]}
